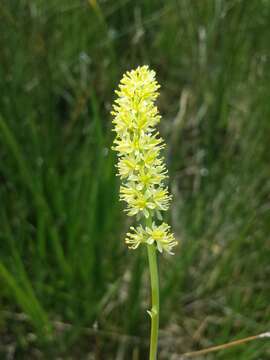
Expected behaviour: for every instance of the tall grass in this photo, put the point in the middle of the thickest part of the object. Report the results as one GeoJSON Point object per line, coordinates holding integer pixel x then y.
{"type": "Point", "coordinates": [63, 263]}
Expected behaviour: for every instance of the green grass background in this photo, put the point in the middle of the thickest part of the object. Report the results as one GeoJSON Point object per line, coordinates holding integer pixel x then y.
{"type": "Point", "coordinates": [69, 288]}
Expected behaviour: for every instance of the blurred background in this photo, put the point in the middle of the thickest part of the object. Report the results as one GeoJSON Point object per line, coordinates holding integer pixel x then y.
{"type": "Point", "coordinates": [69, 288]}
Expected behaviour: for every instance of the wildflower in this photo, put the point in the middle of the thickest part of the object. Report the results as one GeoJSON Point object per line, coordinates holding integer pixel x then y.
{"type": "Point", "coordinates": [138, 146]}
{"type": "Point", "coordinates": [142, 172]}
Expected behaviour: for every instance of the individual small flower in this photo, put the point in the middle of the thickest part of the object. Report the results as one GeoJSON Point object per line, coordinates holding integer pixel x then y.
{"type": "Point", "coordinates": [161, 199]}
{"type": "Point", "coordinates": [146, 177]}
{"type": "Point", "coordinates": [155, 199]}
{"type": "Point", "coordinates": [162, 236]}
{"type": "Point", "coordinates": [137, 144]}
{"type": "Point", "coordinates": [127, 166]}
{"type": "Point", "coordinates": [136, 237]}
{"type": "Point", "coordinates": [137, 201]}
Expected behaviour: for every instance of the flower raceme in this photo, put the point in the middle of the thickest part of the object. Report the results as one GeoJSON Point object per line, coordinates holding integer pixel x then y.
{"type": "Point", "coordinates": [140, 166]}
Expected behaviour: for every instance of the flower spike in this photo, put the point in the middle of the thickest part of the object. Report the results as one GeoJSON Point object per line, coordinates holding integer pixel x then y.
{"type": "Point", "coordinates": [140, 166]}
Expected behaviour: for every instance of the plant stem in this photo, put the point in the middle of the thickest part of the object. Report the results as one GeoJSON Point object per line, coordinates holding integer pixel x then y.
{"type": "Point", "coordinates": [154, 313]}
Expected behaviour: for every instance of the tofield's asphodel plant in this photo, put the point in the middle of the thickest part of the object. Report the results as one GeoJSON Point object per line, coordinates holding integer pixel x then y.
{"type": "Point", "coordinates": [142, 172]}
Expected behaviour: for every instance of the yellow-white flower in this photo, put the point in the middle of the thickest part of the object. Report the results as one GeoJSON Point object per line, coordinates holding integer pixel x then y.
{"type": "Point", "coordinates": [161, 236]}
{"type": "Point", "coordinates": [138, 145]}
{"type": "Point", "coordinates": [136, 237]}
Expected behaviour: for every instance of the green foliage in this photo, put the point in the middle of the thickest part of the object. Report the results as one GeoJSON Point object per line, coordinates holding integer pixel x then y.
{"type": "Point", "coordinates": [63, 262]}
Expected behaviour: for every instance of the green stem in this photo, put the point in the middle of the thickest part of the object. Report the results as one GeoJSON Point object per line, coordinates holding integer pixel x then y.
{"type": "Point", "coordinates": [154, 313]}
